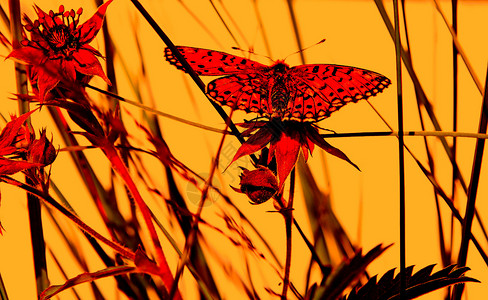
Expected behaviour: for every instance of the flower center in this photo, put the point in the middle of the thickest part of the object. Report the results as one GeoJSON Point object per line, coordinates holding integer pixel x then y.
{"type": "Point", "coordinates": [55, 33]}
{"type": "Point", "coordinates": [59, 38]}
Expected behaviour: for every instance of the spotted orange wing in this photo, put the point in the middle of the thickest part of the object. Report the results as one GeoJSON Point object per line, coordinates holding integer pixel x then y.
{"type": "Point", "coordinates": [309, 92]}
{"type": "Point", "coordinates": [248, 92]}
{"type": "Point", "coordinates": [322, 89]}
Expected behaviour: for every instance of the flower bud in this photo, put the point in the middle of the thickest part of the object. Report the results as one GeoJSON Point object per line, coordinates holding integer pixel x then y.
{"type": "Point", "coordinates": [42, 151]}
{"type": "Point", "coordinates": [259, 185]}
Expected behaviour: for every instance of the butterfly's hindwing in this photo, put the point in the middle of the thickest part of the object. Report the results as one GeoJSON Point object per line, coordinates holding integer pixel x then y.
{"type": "Point", "coordinates": [240, 91]}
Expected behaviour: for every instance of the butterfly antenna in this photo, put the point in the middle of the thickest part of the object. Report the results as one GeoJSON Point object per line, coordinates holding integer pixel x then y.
{"type": "Point", "coordinates": [251, 52]}
{"type": "Point", "coordinates": [301, 50]}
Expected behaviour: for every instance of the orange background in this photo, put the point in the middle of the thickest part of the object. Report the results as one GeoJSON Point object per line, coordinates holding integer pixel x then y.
{"type": "Point", "coordinates": [356, 36]}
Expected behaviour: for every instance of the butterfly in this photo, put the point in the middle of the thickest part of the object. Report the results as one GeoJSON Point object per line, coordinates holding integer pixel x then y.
{"type": "Point", "coordinates": [304, 93]}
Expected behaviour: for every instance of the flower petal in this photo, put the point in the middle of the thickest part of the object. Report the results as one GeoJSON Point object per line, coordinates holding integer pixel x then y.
{"type": "Point", "coordinates": [307, 146]}
{"type": "Point", "coordinates": [286, 154]}
{"type": "Point", "coordinates": [255, 143]}
{"type": "Point", "coordinates": [12, 129]}
{"type": "Point", "coordinates": [28, 55]}
{"type": "Point", "coordinates": [68, 70]}
{"type": "Point", "coordinates": [315, 137]}
{"type": "Point", "coordinates": [92, 50]}
{"type": "Point", "coordinates": [251, 127]}
{"type": "Point", "coordinates": [90, 28]}
{"type": "Point", "coordinates": [305, 151]}
{"type": "Point", "coordinates": [88, 64]}
{"type": "Point", "coordinates": [42, 15]}
{"type": "Point", "coordinates": [46, 81]}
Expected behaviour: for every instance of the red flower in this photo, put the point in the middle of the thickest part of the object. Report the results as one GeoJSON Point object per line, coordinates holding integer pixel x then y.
{"type": "Point", "coordinates": [286, 138]}
{"type": "Point", "coordinates": [59, 50]}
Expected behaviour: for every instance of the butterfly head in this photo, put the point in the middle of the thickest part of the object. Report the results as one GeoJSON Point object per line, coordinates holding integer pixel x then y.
{"type": "Point", "coordinates": [280, 67]}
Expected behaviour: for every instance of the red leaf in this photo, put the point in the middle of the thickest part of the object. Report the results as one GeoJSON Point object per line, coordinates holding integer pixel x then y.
{"type": "Point", "coordinates": [90, 28]}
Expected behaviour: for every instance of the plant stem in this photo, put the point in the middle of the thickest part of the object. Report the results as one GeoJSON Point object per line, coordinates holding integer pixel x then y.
{"type": "Point", "coordinates": [192, 236]}
{"type": "Point", "coordinates": [400, 149]}
{"type": "Point", "coordinates": [287, 213]}
{"type": "Point", "coordinates": [294, 22]}
{"type": "Point", "coordinates": [3, 291]}
{"type": "Point", "coordinates": [157, 112]}
{"type": "Point", "coordinates": [472, 190]}
{"type": "Point", "coordinates": [447, 257]}
{"type": "Point", "coordinates": [33, 203]}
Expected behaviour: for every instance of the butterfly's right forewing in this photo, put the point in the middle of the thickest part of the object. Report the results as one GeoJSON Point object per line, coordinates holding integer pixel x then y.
{"type": "Point", "coordinates": [212, 63]}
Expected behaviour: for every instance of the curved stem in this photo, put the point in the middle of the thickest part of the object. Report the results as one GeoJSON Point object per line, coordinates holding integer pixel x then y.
{"type": "Point", "coordinates": [33, 203]}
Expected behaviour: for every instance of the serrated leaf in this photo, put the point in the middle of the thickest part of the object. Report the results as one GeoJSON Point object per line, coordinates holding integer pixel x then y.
{"type": "Point", "coordinates": [347, 273]}
{"type": "Point", "coordinates": [418, 284]}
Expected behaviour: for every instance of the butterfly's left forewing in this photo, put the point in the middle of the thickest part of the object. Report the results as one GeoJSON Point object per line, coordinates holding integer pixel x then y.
{"type": "Point", "coordinates": [212, 63]}
{"type": "Point", "coordinates": [322, 89]}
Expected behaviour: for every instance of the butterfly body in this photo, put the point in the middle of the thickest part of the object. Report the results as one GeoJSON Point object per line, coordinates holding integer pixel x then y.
{"type": "Point", "coordinates": [305, 93]}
